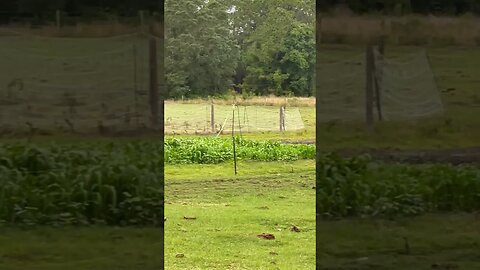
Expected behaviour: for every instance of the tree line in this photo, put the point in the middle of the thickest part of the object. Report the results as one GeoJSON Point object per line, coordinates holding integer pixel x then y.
{"type": "Point", "coordinates": [45, 8]}
{"type": "Point", "coordinates": [261, 46]}
{"type": "Point", "coordinates": [445, 7]}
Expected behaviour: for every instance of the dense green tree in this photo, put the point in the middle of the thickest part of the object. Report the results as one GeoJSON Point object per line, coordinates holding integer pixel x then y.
{"type": "Point", "coordinates": [201, 52]}
{"type": "Point", "coordinates": [297, 60]}
{"type": "Point", "coordinates": [273, 50]}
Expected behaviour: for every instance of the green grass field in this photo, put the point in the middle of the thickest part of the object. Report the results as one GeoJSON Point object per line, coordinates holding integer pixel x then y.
{"type": "Point", "coordinates": [196, 118]}
{"type": "Point", "coordinates": [231, 211]}
{"type": "Point", "coordinates": [224, 216]}
{"type": "Point", "coordinates": [85, 80]}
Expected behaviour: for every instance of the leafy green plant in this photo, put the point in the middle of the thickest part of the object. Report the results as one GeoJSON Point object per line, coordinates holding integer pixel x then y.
{"type": "Point", "coordinates": [115, 184]}
{"type": "Point", "coordinates": [359, 186]}
{"type": "Point", "coordinates": [213, 150]}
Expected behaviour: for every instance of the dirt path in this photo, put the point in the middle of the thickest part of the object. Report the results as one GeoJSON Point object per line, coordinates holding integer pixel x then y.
{"type": "Point", "coordinates": [453, 156]}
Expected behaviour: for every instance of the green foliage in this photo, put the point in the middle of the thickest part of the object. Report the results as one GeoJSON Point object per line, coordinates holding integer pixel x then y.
{"type": "Point", "coordinates": [357, 186]}
{"type": "Point", "coordinates": [298, 60]}
{"type": "Point", "coordinates": [201, 53]}
{"type": "Point", "coordinates": [266, 46]}
{"type": "Point", "coordinates": [114, 184]}
{"type": "Point", "coordinates": [280, 50]}
{"type": "Point", "coordinates": [213, 150]}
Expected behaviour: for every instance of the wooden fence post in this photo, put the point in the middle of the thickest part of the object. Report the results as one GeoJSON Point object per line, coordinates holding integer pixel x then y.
{"type": "Point", "coordinates": [369, 69]}
{"type": "Point", "coordinates": [233, 141]}
{"type": "Point", "coordinates": [141, 14]}
{"type": "Point", "coordinates": [153, 94]}
{"type": "Point", "coordinates": [58, 18]}
{"type": "Point", "coordinates": [377, 69]}
{"type": "Point", "coordinates": [212, 117]}
{"type": "Point", "coordinates": [135, 88]}
{"type": "Point", "coordinates": [280, 118]}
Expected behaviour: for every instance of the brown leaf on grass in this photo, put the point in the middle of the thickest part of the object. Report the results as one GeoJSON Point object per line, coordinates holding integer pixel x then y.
{"type": "Point", "coordinates": [189, 218]}
{"type": "Point", "coordinates": [294, 229]}
{"type": "Point", "coordinates": [180, 255]}
{"type": "Point", "coordinates": [267, 236]}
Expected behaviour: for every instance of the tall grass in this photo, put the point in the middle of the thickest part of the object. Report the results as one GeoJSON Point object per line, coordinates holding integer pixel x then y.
{"type": "Point", "coordinates": [404, 30]}
{"type": "Point", "coordinates": [252, 101]}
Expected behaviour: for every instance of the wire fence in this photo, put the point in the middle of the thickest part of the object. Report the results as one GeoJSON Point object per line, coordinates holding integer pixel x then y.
{"type": "Point", "coordinates": [406, 85]}
{"type": "Point", "coordinates": [207, 118]}
{"type": "Point", "coordinates": [74, 84]}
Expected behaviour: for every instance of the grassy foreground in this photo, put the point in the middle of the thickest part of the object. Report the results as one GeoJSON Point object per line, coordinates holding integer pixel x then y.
{"type": "Point", "coordinates": [213, 219]}
{"type": "Point", "coordinates": [435, 241]}
{"type": "Point", "coordinates": [80, 248]}
{"type": "Point", "coordinates": [230, 212]}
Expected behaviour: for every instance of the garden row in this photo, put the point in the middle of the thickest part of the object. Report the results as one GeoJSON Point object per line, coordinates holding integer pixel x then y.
{"type": "Point", "coordinates": [121, 183]}
{"type": "Point", "coordinates": [362, 187]}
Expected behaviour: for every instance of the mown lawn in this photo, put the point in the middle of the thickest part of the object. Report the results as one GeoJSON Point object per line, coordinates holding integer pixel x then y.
{"type": "Point", "coordinates": [231, 211]}
{"type": "Point", "coordinates": [214, 217]}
